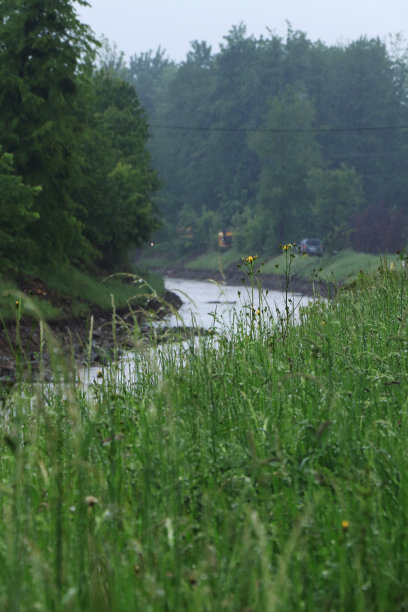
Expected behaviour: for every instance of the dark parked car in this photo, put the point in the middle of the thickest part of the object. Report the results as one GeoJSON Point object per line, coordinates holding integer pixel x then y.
{"type": "Point", "coordinates": [311, 246]}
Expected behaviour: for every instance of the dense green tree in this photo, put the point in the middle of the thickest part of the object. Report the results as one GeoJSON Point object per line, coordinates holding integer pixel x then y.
{"type": "Point", "coordinates": [42, 74]}
{"type": "Point", "coordinates": [120, 182]}
{"type": "Point", "coordinates": [237, 103]}
{"type": "Point", "coordinates": [207, 106]}
{"type": "Point", "coordinates": [362, 98]}
{"type": "Point", "coordinates": [150, 73]}
{"type": "Point", "coordinates": [110, 59]}
{"type": "Point", "coordinates": [184, 160]}
{"type": "Point", "coordinates": [16, 215]}
{"type": "Point", "coordinates": [336, 196]}
{"type": "Point", "coordinates": [287, 150]}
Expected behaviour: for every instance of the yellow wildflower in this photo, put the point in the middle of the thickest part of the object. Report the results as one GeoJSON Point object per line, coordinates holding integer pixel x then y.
{"type": "Point", "coordinates": [345, 525]}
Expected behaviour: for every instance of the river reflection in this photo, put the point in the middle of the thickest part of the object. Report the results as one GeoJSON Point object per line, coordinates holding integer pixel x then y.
{"type": "Point", "coordinates": [206, 305]}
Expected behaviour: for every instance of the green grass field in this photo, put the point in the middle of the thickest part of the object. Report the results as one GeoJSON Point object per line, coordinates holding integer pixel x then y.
{"type": "Point", "coordinates": [264, 469]}
{"type": "Point", "coordinates": [343, 266]}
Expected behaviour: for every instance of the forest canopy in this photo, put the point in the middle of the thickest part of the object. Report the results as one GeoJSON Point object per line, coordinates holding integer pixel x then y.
{"type": "Point", "coordinates": [273, 138]}
{"type": "Point", "coordinates": [76, 181]}
{"type": "Point", "coordinates": [280, 138]}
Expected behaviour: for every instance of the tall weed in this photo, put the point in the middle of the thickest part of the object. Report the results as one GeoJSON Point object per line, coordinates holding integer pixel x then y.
{"type": "Point", "coordinates": [263, 469]}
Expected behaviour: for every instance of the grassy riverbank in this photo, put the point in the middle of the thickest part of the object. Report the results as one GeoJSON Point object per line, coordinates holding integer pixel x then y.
{"type": "Point", "coordinates": [65, 291]}
{"type": "Point", "coordinates": [338, 268]}
{"type": "Point", "coordinates": [72, 303]}
{"type": "Point", "coordinates": [264, 470]}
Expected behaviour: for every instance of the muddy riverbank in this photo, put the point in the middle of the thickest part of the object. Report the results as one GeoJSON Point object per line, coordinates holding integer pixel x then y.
{"type": "Point", "coordinates": [235, 276]}
{"type": "Point", "coordinates": [23, 345]}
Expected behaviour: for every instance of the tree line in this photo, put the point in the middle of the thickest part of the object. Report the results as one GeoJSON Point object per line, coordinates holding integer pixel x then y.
{"type": "Point", "coordinates": [76, 180]}
{"type": "Point", "coordinates": [279, 138]}
{"type": "Point", "coordinates": [274, 138]}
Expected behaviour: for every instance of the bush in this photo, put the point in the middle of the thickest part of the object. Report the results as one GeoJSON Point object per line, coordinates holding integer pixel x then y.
{"type": "Point", "coordinates": [379, 229]}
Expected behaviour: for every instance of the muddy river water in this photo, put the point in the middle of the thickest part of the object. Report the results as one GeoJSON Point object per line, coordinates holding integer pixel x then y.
{"type": "Point", "coordinates": [206, 305]}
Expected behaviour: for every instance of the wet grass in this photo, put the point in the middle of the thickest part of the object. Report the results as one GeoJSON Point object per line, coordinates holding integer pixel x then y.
{"type": "Point", "coordinates": [259, 469]}
{"type": "Point", "coordinates": [66, 290]}
{"type": "Point", "coordinates": [216, 260]}
{"type": "Point", "coordinates": [340, 267]}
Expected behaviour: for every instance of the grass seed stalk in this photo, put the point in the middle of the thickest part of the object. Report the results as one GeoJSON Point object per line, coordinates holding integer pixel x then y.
{"type": "Point", "coordinates": [259, 470]}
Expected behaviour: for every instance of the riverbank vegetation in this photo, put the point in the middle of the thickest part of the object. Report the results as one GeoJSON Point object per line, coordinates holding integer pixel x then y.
{"type": "Point", "coordinates": [338, 268]}
{"type": "Point", "coordinates": [76, 180]}
{"type": "Point", "coordinates": [273, 138]}
{"type": "Point", "coordinates": [278, 139]}
{"type": "Point", "coordinates": [262, 468]}
{"type": "Point", "coordinates": [67, 292]}
{"type": "Point", "coordinates": [259, 467]}
{"type": "Point", "coordinates": [77, 184]}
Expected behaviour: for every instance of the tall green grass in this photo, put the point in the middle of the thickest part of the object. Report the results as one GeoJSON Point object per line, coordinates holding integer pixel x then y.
{"type": "Point", "coordinates": [81, 292]}
{"type": "Point", "coordinates": [263, 468]}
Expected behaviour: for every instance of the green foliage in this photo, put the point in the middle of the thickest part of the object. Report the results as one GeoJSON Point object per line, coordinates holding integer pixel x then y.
{"type": "Point", "coordinates": [42, 117]}
{"type": "Point", "coordinates": [77, 293]}
{"type": "Point", "coordinates": [338, 268]}
{"type": "Point", "coordinates": [190, 233]}
{"type": "Point", "coordinates": [287, 153]}
{"type": "Point", "coordinates": [78, 141]}
{"type": "Point", "coordinates": [10, 306]}
{"type": "Point", "coordinates": [117, 198]}
{"type": "Point", "coordinates": [337, 195]}
{"type": "Point", "coordinates": [214, 261]}
{"type": "Point", "coordinates": [90, 293]}
{"type": "Point", "coordinates": [200, 110]}
{"type": "Point", "coordinates": [243, 473]}
{"type": "Point", "coordinates": [16, 214]}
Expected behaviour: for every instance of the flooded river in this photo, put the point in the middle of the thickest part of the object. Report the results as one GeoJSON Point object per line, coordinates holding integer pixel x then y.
{"type": "Point", "coordinates": [206, 305]}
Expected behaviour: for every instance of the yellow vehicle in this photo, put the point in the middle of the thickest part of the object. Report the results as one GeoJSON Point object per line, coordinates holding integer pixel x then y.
{"type": "Point", "coordinates": [225, 239]}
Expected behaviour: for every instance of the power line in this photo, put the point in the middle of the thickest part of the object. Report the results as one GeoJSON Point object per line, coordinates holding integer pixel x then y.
{"type": "Point", "coordinates": [321, 130]}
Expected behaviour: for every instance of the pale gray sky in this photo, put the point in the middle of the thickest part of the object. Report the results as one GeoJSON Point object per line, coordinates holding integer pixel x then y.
{"type": "Point", "coordinates": [139, 25]}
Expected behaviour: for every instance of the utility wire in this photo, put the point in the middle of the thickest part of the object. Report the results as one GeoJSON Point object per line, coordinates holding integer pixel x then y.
{"type": "Point", "coordinates": [323, 130]}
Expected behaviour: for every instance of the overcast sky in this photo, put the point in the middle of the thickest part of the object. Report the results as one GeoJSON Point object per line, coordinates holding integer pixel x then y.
{"type": "Point", "coordinates": [140, 25]}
